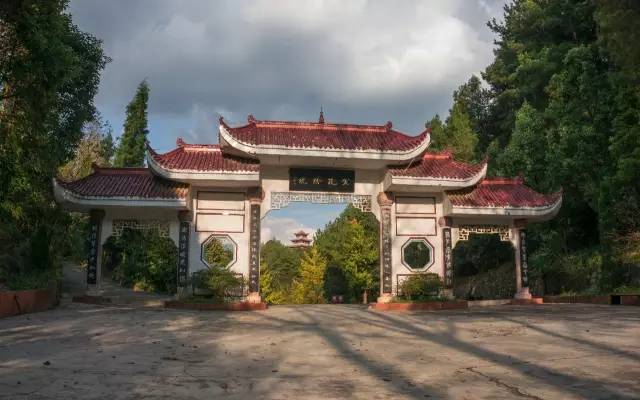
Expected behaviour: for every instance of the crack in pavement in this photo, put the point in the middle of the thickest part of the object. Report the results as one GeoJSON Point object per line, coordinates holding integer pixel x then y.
{"type": "Point", "coordinates": [512, 389]}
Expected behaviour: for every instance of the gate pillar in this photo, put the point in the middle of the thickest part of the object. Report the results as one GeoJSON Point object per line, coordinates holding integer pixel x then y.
{"type": "Point", "coordinates": [94, 258]}
{"type": "Point", "coordinates": [184, 231]}
{"type": "Point", "coordinates": [447, 255]}
{"type": "Point", "coordinates": [385, 200]}
{"type": "Point", "coordinates": [522, 264]}
{"type": "Point", "coordinates": [255, 197]}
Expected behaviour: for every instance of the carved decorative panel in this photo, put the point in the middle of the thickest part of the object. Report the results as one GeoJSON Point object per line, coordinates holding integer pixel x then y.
{"type": "Point", "coordinates": [121, 224]}
{"type": "Point", "coordinates": [282, 199]}
{"type": "Point", "coordinates": [466, 230]}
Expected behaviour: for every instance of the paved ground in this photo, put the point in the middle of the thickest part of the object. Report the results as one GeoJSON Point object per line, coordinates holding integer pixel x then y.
{"type": "Point", "coordinates": [326, 352]}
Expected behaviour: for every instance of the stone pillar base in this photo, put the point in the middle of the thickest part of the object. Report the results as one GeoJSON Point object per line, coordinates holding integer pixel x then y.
{"type": "Point", "coordinates": [385, 298]}
{"type": "Point", "coordinates": [254, 297]}
{"type": "Point", "coordinates": [523, 293]}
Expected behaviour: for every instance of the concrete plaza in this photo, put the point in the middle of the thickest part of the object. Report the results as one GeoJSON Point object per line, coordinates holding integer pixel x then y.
{"type": "Point", "coordinates": [322, 352]}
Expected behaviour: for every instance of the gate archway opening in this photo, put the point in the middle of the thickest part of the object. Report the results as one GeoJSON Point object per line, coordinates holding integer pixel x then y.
{"type": "Point", "coordinates": [484, 267]}
{"type": "Point", "coordinates": [299, 228]}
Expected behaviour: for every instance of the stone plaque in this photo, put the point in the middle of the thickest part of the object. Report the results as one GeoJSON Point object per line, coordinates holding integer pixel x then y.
{"type": "Point", "coordinates": [254, 249]}
{"type": "Point", "coordinates": [321, 180]}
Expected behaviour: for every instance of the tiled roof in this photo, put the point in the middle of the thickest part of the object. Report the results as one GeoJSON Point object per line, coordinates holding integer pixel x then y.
{"type": "Point", "coordinates": [125, 183]}
{"type": "Point", "coordinates": [202, 158]}
{"type": "Point", "coordinates": [501, 192]}
{"type": "Point", "coordinates": [321, 135]}
{"type": "Point", "coordinates": [438, 166]}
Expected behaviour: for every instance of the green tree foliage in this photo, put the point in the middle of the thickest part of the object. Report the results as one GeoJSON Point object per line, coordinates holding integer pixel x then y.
{"type": "Point", "coordinates": [360, 262]}
{"type": "Point", "coordinates": [279, 266]}
{"type": "Point", "coordinates": [350, 243]}
{"type": "Point", "coordinates": [308, 287]}
{"type": "Point", "coordinates": [565, 110]}
{"type": "Point", "coordinates": [456, 134]}
{"type": "Point", "coordinates": [49, 75]}
{"type": "Point", "coordinates": [130, 152]}
{"type": "Point", "coordinates": [142, 259]}
{"type": "Point", "coordinates": [95, 147]}
{"type": "Point", "coordinates": [475, 101]}
{"type": "Point", "coordinates": [526, 152]}
{"type": "Point", "coordinates": [421, 287]}
{"type": "Point", "coordinates": [216, 254]}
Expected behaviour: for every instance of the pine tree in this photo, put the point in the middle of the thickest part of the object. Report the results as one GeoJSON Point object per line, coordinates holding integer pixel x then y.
{"type": "Point", "coordinates": [130, 152]}
{"type": "Point", "coordinates": [456, 134]}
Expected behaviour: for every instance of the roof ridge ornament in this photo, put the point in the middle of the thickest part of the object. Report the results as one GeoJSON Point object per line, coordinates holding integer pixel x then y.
{"type": "Point", "coordinates": [251, 119]}
{"type": "Point", "coordinates": [180, 142]}
{"type": "Point", "coordinates": [321, 119]}
{"type": "Point", "coordinates": [388, 125]}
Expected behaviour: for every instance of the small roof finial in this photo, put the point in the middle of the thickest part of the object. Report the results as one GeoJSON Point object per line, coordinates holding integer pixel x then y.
{"type": "Point", "coordinates": [321, 119]}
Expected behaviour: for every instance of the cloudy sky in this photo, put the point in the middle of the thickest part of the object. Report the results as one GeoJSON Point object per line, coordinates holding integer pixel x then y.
{"type": "Point", "coordinates": [362, 61]}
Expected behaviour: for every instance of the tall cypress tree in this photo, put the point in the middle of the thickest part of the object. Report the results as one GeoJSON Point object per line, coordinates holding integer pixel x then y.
{"type": "Point", "coordinates": [130, 152]}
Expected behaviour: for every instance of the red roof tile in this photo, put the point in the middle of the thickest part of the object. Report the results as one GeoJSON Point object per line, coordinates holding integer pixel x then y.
{"type": "Point", "coordinates": [320, 135]}
{"type": "Point", "coordinates": [202, 158]}
{"type": "Point", "coordinates": [127, 183]}
{"type": "Point", "coordinates": [438, 165]}
{"type": "Point", "coordinates": [501, 192]}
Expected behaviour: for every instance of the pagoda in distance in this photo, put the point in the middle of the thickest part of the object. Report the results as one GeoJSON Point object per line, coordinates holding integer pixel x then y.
{"type": "Point", "coordinates": [301, 240]}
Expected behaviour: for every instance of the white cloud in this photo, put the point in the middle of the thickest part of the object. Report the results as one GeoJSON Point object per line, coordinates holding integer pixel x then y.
{"type": "Point", "coordinates": [283, 229]}
{"type": "Point", "coordinates": [364, 61]}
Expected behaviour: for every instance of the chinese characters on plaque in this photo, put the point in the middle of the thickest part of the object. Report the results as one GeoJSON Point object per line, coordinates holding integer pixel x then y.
{"type": "Point", "coordinates": [524, 266]}
{"type": "Point", "coordinates": [183, 253]}
{"type": "Point", "coordinates": [321, 180]}
{"type": "Point", "coordinates": [254, 249]}
{"type": "Point", "coordinates": [448, 258]}
{"type": "Point", "coordinates": [92, 262]}
{"type": "Point", "coordinates": [386, 249]}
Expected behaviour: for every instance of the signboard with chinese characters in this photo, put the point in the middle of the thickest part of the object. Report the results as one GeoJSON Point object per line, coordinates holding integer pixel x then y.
{"type": "Point", "coordinates": [321, 180]}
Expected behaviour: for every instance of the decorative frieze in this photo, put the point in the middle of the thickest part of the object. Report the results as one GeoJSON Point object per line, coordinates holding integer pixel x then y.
{"type": "Point", "coordinates": [465, 230]}
{"type": "Point", "coordinates": [282, 199]}
{"type": "Point", "coordinates": [119, 225]}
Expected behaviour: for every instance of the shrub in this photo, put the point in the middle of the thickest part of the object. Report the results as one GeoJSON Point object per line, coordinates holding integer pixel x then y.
{"type": "Point", "coordinates": [142, 259]}
{"type": "Point", "coordinates": [421, 287]}
{"type": "Point", "coordinates": [220, 283]}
